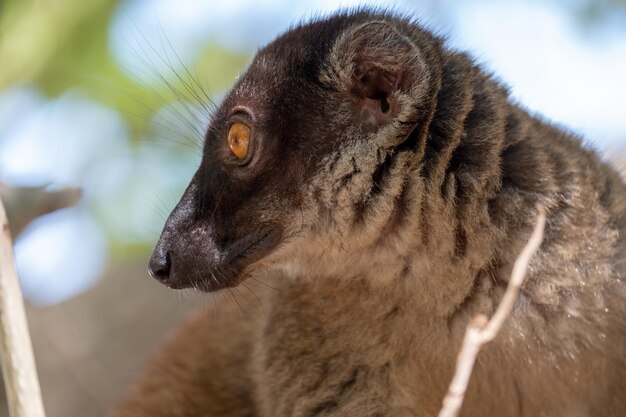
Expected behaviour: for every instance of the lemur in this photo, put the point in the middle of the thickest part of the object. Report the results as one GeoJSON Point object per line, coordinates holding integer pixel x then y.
{"type": "Point", "coordinates": [383, 184]}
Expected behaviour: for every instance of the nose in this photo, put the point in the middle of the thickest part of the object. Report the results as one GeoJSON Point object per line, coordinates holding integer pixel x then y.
{"type": "Point", "coordinates": [160, 265]}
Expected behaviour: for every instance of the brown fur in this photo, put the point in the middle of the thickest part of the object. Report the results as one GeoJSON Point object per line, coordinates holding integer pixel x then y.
{"type": "Point", "coordinates": [401, 183]}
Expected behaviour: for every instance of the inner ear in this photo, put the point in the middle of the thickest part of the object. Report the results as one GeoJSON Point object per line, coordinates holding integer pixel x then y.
{"type": "Point", "coordinates": [378, 67]}
{"type": "Point", "coordinates": [373, 88]}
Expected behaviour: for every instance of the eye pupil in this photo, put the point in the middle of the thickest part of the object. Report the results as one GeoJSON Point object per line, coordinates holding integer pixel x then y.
{"type": "Point", "coordinates": [239, 139]}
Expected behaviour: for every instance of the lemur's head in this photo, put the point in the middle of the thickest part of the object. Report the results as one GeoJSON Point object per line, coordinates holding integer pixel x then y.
{"type": "Point", "coordinates": [305, 152]}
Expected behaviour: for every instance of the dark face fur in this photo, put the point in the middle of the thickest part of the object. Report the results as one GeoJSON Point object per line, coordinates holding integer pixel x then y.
{"type": "Point", "coordinates": [327, 105]}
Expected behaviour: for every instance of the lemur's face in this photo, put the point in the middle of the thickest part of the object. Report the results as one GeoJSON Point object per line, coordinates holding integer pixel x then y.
{"type": "Point", "coordinates": [301, 147]}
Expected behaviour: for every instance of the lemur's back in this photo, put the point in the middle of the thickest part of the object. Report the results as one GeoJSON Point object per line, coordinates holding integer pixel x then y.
{"type": "Point", "coordinates": [384, 186]}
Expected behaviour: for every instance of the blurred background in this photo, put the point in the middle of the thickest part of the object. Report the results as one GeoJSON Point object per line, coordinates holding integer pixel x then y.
{"type": "Point", "coordinates": [110, 96]}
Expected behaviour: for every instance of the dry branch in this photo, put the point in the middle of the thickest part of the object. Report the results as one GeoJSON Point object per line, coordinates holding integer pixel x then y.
{"type": "Point", "coordinates": [16, 353]}
{"type": "Point", "coordinates": [24, 204]}
{"type": "Point", "coordinates": [480, 330]}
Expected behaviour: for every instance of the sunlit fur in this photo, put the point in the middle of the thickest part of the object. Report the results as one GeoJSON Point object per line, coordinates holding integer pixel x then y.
{"type": "Point", "coordinates": [395, 236]}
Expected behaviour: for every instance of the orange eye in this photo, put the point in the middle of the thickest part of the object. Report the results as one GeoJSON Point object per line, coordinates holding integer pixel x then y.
{"type": "Point", "coordinates": [239, 139]}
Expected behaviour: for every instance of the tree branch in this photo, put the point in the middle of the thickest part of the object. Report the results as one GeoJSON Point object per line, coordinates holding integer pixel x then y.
{"type": "Point", "coordinates": [481, 331]}
{"type": "Point", "coordinates": [16, 352]}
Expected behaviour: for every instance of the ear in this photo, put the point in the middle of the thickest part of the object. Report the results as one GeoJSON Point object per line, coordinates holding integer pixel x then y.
{"type": "Point", "coordinates": [376, 66]}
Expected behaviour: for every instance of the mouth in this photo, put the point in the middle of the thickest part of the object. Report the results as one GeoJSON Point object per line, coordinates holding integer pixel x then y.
{"type": "Point", "coordinates": [236, 257]}
{"type": "Point", "coordinates": [251, 247]}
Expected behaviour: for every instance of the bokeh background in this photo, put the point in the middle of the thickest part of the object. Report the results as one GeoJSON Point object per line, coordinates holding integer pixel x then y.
{"type": "Point", "coordinates": [112, 96]}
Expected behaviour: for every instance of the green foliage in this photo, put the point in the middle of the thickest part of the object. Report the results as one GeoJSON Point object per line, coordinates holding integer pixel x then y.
{"type": "Point", "coordinates": [63, 45]}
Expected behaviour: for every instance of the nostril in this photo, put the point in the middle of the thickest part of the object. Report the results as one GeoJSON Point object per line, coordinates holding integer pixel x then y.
{"type": "Point", "coordinates": [160, 266]}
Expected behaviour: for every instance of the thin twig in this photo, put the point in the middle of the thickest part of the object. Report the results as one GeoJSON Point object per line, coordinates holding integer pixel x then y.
{"type": "Point", "coordinates": [480, 330]}
{"type": "Point", "coordinates": [16, 352]}
{"type": "Point", "coordinates": [24, 204]}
